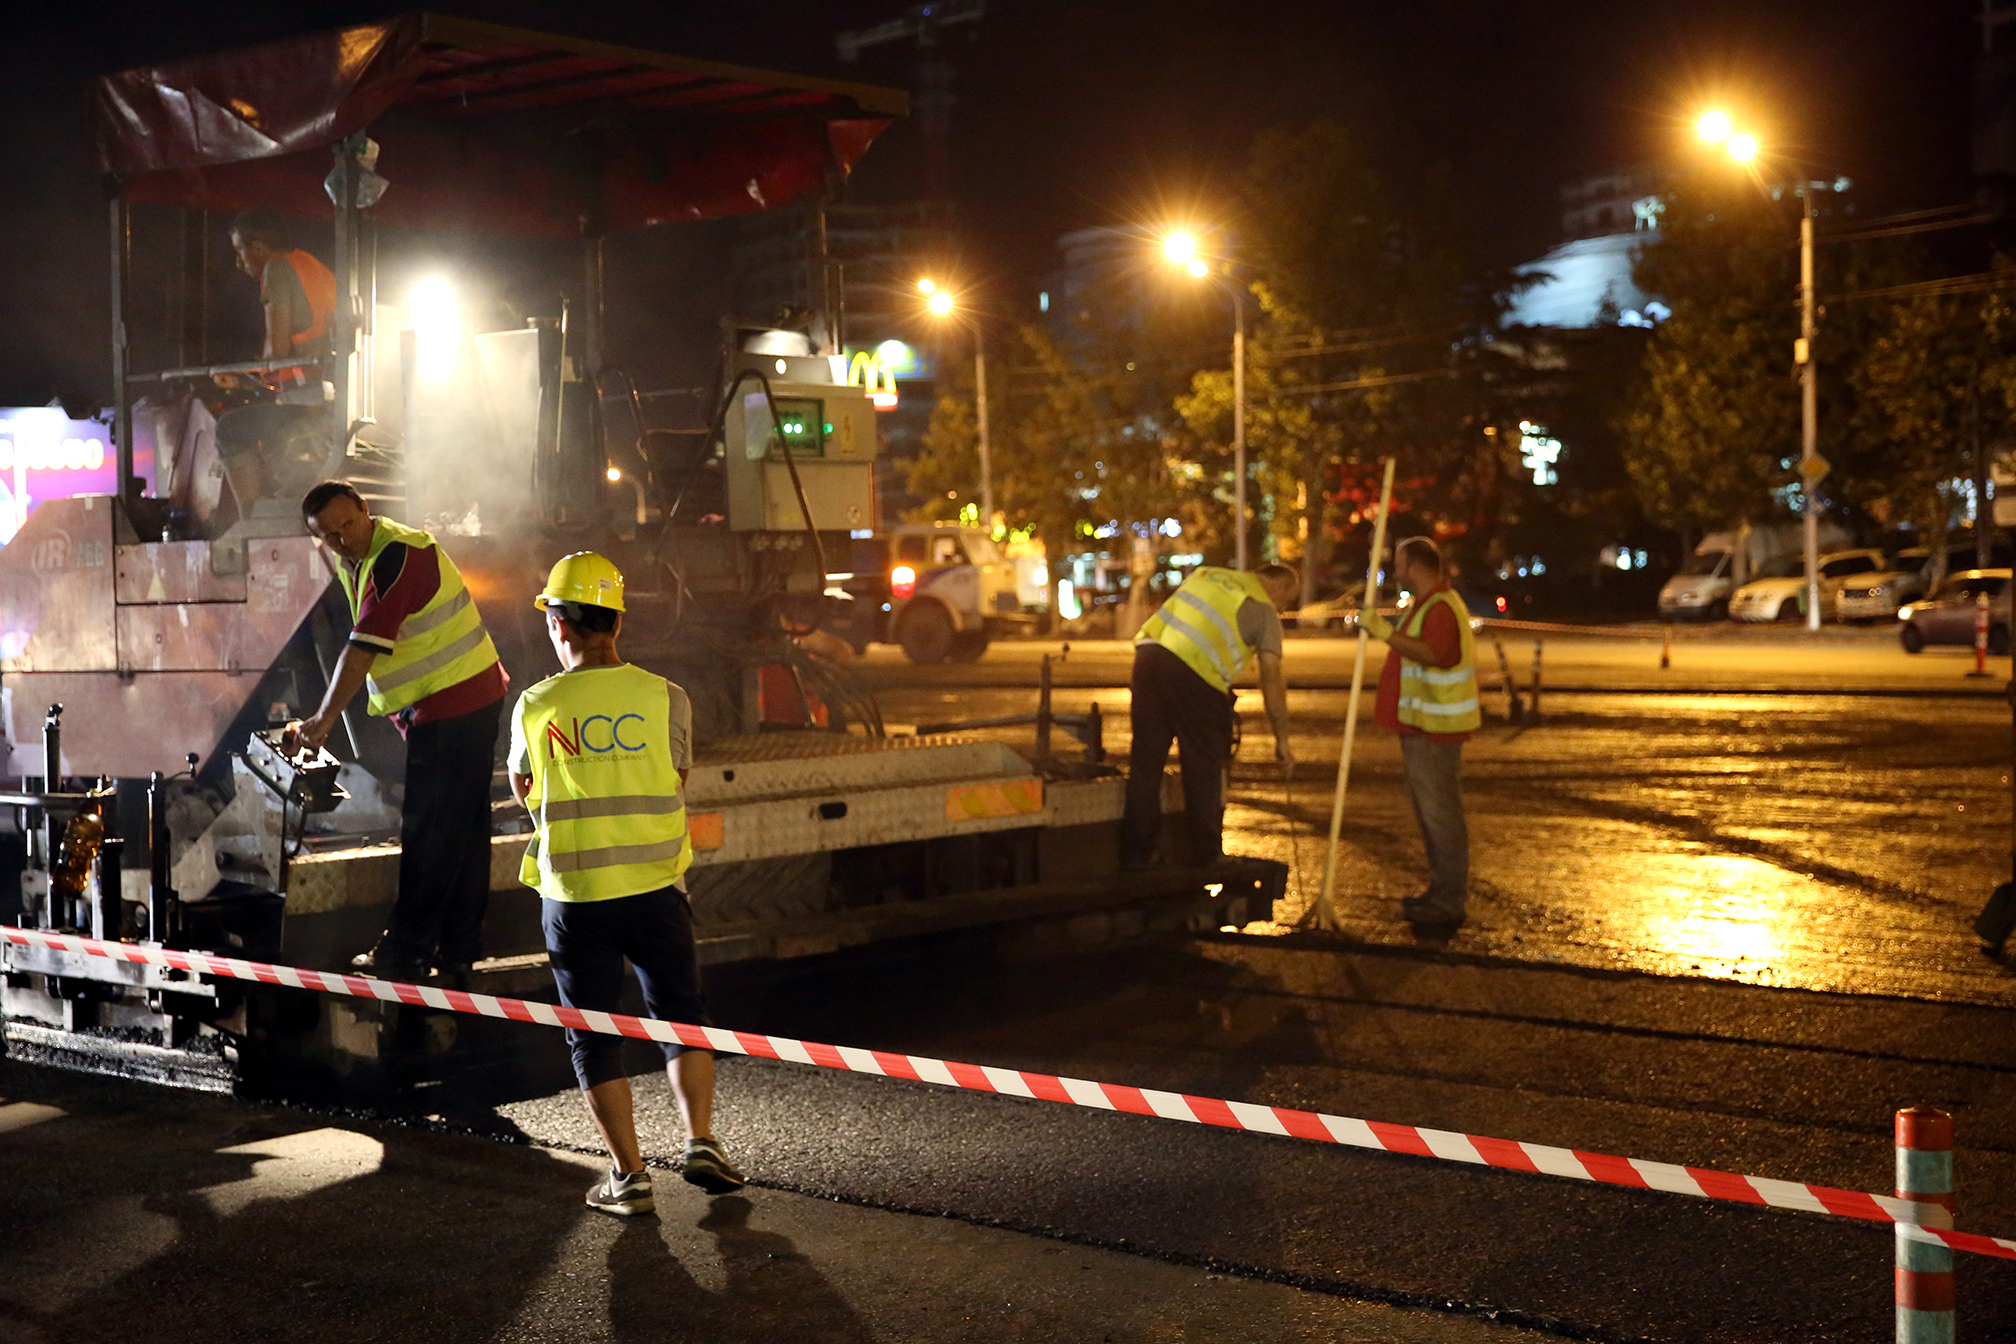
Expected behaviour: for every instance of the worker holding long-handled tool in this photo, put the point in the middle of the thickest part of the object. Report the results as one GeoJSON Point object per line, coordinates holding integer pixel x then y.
{"type": "Point", "coordinates": [1428, 694]}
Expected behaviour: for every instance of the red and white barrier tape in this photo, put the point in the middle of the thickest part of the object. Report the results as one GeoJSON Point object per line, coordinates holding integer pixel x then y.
{"type": "Point", "coordinates": [1446, 1145]}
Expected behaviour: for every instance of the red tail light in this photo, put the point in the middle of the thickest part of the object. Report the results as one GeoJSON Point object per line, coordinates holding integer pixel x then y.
{"type": "Point", "coordinates": [902, 582]}
{"type": "Point", "coordinates": [1501, 604]}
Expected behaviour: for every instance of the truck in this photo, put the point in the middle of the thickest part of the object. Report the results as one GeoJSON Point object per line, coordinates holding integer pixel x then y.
{"type": "Point", "coordinates": [1725, 561]}
{"type": "Point", "coordinates": [153, 641]}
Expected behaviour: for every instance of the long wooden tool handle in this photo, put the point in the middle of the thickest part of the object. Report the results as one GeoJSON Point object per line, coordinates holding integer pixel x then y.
{"type": "Point", "coordinates": [1326, 913]}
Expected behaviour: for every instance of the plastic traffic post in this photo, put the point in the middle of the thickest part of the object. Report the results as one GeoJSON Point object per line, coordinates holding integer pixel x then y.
{"type": "Point", "coordinates": [1980, 636]}
{"type": "Point", "coordinates": [1924, 1270]}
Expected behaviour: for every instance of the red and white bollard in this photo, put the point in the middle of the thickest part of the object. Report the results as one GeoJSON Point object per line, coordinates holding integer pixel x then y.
{"type": "Point", "coordinates": [1980, 636]}
{"type": "Point", "coordinates": [1925, 1271]}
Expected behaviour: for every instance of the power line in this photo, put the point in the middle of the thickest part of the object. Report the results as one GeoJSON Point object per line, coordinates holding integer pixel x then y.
{"type": "Point", "coordinates": [1981, 282]}
{"type": "Point", "coordinates": [1360, 384]}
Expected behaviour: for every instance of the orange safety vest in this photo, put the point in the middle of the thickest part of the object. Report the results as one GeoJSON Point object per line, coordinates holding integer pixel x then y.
{"type": "Point", "coordinates": [319, 284]}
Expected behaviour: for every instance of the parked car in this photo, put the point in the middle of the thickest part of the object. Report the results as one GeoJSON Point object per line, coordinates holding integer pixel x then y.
{"type": "Point", "coordinates": [1774, 595]}
{"type": "Point", "coordinates": [944, 591]}
{"type": "Point", "coordinates": [1947, 617]}
{"type": "Point", "coordinates": [1337, 612]}
{"type": "Point", "coordinates": [1781, 594]}
{"type": "Point", "coordinates": [1877, 596]}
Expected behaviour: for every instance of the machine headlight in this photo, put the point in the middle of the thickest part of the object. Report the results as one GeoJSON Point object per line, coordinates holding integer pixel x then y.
{"type": "Point", "coordinates": [1904, 612]}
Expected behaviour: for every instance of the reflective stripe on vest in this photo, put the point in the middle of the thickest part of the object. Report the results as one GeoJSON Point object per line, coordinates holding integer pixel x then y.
{"type": "Point", "coordinates": [439, 645]}
{"type": "Point", "coordinates": [1440, 699]}
{"type": "Point", "coordinates": [612, 819]}
{"type": "Point", "coordinates": [1200, 623]}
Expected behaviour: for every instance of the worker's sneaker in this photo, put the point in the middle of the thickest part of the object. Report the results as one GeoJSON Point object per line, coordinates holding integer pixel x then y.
{"type": "Point", "coordinates": [624, 1196]}
{"type": "Point", "coordinates": [708, 1167]}
{"type": "Point", "coordinates": [386, 962]}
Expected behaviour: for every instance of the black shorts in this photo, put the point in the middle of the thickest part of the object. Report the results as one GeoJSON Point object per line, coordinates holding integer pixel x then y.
{"type": "Point", "coordinates": [587, 942]}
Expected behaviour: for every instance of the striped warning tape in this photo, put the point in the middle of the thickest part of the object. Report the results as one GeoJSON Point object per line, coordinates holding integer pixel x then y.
{"type": "Point", "coordinates": [1920, 1222]}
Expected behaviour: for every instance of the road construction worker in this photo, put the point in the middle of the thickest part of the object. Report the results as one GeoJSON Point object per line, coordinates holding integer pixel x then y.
{"type": "Point", "coordinates": [599, 755]}
{"type": "Point", "coordinates": [261, 442]}
{"type": "Point", "coordinates": [1428, 694]}
{"type": "Point", "coordinates": [1185, 658]}
{"type": "Point", "coordinates": [418, 644]}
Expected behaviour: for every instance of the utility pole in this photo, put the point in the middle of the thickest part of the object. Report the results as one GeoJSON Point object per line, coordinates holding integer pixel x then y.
{"type": "Point", "coordinates": [980, 410]}
{"type": "Point", "coordinates": [1812, 467]}
{"type": "Point", "coordinates": [1239, 427]}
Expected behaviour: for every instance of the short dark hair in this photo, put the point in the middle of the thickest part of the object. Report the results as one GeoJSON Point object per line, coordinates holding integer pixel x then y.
{"type": "Point", "coordinates": [262, 224]}
{"type": "Point", "coordinates": [327, 493]}
{"type": "Point", "coordinates": [1424, 551]}
{"type": "Point", "coordinates": [1278, 574]}
{"type": "Point", "coordinates": [584, 616]}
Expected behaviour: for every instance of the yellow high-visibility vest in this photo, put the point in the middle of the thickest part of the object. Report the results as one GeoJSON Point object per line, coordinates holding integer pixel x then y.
{"type": "Point", "coordinates": [437, 646]}
{"type": "Point", "coordinates": [1440, 699]}
{"type": "Point", "coordinates": [605, 793]}
{"type": "Point", "coordinates": [1200, 623]}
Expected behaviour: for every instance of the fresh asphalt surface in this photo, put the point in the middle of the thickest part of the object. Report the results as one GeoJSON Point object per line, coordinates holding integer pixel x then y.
{"type": "Point", "coordinates": [1718, 921]}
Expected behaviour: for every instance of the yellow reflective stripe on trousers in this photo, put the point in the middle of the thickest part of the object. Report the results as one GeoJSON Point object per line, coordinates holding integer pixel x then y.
{"type": "Point", "coordinates": [420, 667]}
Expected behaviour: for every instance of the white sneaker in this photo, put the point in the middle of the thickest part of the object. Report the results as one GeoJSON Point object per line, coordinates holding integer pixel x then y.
{"type": "Point", "coordinates": [624, 1196]}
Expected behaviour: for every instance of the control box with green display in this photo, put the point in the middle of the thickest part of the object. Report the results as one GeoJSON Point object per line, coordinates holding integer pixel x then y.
{"type": "Point", "coordinates": [829, 431]}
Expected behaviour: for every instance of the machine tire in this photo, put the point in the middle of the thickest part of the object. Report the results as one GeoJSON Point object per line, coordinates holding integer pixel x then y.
{"type": "Point", "coordinates": [926, 633]}
{"type": "Point", "coordinates": [1998, 640]}
{"type": "Point", "coordinates": [968, 646]}
{"type": "Point", "coordinates": [1911, 637]}
{"type": "Point", "coordinates": [1788, 610]}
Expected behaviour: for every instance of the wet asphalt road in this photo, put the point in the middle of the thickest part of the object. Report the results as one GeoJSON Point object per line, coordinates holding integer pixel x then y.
{"type": "Point", "coordinates": [1711, 926]}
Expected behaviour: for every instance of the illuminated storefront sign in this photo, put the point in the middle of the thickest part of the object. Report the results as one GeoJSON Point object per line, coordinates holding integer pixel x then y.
{"type": "Point", "coordinates": [867, 371]}
{"type": "Point", "coordinates": [44, 454]}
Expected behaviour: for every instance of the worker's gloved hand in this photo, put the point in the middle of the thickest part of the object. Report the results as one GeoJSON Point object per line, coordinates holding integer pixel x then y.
{"type": "Point", "coordinates": [1373, 624]}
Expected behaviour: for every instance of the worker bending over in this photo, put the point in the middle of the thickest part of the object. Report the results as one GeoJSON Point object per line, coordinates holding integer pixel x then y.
{"type": "Point", "coordinates": [1185, 659]}
{"type": "Point", "coordinates": [419, 645]}
{"type": "Point", "coordinates": [1428, 694]}
{"type": "Point", "coordinates": [599, 755]}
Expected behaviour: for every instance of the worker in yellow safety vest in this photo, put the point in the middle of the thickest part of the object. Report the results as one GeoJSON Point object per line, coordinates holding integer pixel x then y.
{"type": "Point", "coordinates": [1185, 659]}
{"type": "Point", "coordinates": [1428, 695]}
{"type": "Point", "coordinates": [418, 646]}
{"type": "Point", "coordinates": [599, 755]}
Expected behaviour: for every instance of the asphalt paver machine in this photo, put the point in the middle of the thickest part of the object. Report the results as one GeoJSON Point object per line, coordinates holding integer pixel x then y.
{"type": "Point", "coordinates": [151, 641]}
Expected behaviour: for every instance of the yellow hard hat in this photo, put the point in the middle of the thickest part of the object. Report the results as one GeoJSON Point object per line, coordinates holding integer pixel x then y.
{"type": "Point", "coordinates": [584, 577]}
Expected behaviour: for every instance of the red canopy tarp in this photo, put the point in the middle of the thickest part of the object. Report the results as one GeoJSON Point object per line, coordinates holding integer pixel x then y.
{"type": "Point", "coordinates": [482, 128]}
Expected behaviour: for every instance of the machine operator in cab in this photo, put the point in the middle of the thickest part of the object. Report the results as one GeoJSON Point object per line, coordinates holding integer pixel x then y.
{"type": "Point", "coordinates": [1185, 658]}
{"type": "Point", "coordinates": [599, 755]}
{"type": "Point", "coordinates": [263, 443]}
{"type": "Point", "coordinates": [418, 645]}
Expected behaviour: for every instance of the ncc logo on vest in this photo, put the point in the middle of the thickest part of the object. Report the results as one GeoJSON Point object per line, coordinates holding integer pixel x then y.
{"type": "Point", "coordinates": [585, 734]}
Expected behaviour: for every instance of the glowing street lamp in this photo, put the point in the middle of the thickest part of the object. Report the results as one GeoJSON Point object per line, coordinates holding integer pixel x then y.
{"type": "Point", "coordinates": [1717, 127]}
{"type": "Point", "coordinates": [940, 303]}
{"type": "Point", "coordinates": [1179, 246]}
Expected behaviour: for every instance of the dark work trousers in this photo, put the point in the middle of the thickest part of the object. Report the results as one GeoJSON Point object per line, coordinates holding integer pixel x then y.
{"type": "Point", "coordinates": [1435, 787]}
{"type": "Point", "coordinates": [586, 942]}
{"type": "Point", "coordinates": [1172, 703]}
{"type": "Point", "coordinates": [444, 841]}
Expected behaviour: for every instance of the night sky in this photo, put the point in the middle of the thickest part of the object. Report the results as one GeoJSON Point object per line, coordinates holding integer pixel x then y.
{"type": "Point", "coordinates": [1072, 113]}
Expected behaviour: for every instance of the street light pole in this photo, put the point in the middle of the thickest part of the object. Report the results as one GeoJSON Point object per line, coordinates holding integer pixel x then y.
{"type": "Point", "coordinates": [980, 409]}
{"type": "Point", "coordinates": [1239, 427]}
{"type": "Point", "coordinates": [1811, 467]}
